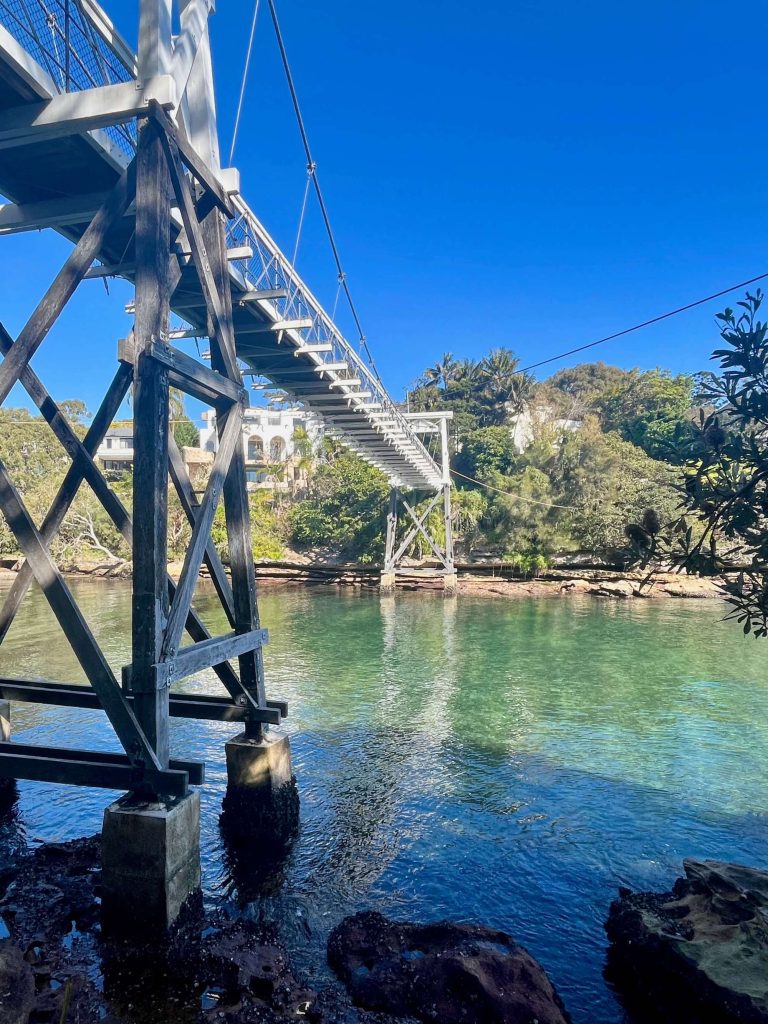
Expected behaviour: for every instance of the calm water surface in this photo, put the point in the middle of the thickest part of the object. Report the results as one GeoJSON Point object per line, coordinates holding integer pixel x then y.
{"type": "Point", "coordinates": [505, 762]}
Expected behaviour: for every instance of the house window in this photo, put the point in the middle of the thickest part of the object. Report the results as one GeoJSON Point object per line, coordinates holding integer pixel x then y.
{"type": "Point", "coordinates": [255, 448]}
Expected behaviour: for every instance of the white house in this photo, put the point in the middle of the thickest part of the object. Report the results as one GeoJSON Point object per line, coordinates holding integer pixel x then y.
{"type": "Point", "coordinates": [271, 456]}
{"type": "Point", "coordinates": [116, 450]}
{"type": "Point", "coordinates": [524, 425]}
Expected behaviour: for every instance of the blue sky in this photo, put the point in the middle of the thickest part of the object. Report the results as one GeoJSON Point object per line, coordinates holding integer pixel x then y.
{"type": "Point", "coordinates": [522, 174]}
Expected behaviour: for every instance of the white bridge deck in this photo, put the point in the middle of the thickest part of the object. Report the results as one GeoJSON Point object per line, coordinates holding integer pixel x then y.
{"type": "Point", "coordinates": [59, 178]}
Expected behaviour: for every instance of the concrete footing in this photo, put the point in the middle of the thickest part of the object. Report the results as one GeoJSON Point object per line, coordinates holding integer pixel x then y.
{"type": "Point", "coordinates": [261, 799]}
{"type": "Point", "coordinates": [451, 582]}
{"type": "Point", "coordinates": [150, 861]}
{"type": "Point", "coordinates": [8, 790]}
{"type": "Point", "coordinates": [387, 582]}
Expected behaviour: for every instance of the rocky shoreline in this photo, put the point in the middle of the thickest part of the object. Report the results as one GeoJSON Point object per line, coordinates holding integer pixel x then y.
{"type": "Point", "coordinates": [695, 955]}
{"type": "Point", "coordinates": [472, 581]}
{"type": "Point", "coordinates": [57, 965]}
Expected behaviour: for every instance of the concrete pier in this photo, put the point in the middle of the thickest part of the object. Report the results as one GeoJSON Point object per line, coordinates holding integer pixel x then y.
{"type": "Point", "coordinates": [387, 582]}
{"type": "Point", "coordinates": [451, 582]}
{"type": "Point", "coordinates": [8, 789]}
{"type": "Point", "coordinates": [261, 799]}
{"type": "Point", "coordinates": [150, 861]}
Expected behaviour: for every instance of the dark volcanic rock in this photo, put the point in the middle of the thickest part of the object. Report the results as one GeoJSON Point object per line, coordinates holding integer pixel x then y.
{"type": "Point", "coordinates": [442, 972]}
{"type": "Point", "coordinates": [698, 954]}
{"type": "Point", "coordinates": [53, 889]}
{"type": "Point", "coordinates": [17, 985]}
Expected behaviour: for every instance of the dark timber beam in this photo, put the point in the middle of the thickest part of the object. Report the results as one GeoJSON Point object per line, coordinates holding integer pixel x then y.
{"type": "Point", "coordinates": [197, 167]}
{"type": "Point", "coordinates": [182, 705]}
{"type": "Point", "coordinates": [94, 768]}
{"type": "Point", "coordinates": [75, 628]}
{"type": "Point", "coordinates": [231, 438]}
{"type": "Point", "coordinates": [151, 431]}
{"type": "Point", "coordinates": [66, 281]}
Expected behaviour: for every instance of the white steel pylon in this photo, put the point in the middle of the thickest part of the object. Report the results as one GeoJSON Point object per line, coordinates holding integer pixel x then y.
{"type": "Point", "coordinates": [401, 510]}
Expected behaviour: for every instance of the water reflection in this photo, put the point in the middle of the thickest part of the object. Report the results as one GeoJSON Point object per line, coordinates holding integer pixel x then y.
{"type": "Point", "coordinates": [505, 762]}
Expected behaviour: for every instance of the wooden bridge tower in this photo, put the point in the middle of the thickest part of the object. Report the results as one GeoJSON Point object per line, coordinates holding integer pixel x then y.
{"type": "Point", "coordinates": [179, 200]}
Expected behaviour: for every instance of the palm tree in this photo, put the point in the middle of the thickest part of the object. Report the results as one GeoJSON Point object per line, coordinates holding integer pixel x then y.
{"type": "Point", "coordinates": [443, 372]}
{"type": "Point", "coordinates": [498, 369]}
{"type": "Point", "coordinates": [303, 455]}
{"type": "Point", "coordinates": [467, 372]}
{"type": "Point", "coordinates": [503, 381]}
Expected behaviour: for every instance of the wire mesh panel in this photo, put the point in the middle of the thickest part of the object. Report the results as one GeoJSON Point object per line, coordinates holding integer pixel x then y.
{"type": "Point", "coordinates": [62, 36]}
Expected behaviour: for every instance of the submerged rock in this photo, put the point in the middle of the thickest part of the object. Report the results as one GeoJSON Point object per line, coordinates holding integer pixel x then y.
{"type": "Point", "coordinates": [451, 973]}
{"type": "Point", "coordinates": [697, 954]}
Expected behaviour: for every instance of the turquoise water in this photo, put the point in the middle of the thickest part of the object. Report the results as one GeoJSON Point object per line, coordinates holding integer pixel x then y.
{"type": "Point", "coordinates": [505, 762]}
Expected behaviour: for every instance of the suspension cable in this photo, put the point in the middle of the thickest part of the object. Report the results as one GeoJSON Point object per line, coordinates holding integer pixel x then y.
{"type": "Point", "coordinates": [310, 172]}
{"type": "Point", "coordinates": [646, 323]}
{"type": "Point", "coordinates": [243, 83]}
{"type": "Point", "coordinates": [316, 183]}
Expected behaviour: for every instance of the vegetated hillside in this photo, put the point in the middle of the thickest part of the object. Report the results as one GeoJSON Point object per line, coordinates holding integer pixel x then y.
{"type": "Point", "coordinates": [540, 468]}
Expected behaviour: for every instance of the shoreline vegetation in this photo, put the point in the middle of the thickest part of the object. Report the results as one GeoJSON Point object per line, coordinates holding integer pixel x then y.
{"type": "Point", "coordinates": [485, 580]}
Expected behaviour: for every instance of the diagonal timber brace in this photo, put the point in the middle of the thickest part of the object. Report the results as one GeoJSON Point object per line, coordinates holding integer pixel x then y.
{"type": "Point", "coordinates": [162, 609]}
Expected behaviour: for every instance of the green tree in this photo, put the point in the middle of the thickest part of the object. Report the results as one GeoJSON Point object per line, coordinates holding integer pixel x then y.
{"type": "Point", "coordinates": [724, 486]}
{"type": "Point", "coordinates": [76, 411]}
{"type": "Point", "coordinates": [468, 509]}
{"type": "Point", "coordinates": [585, 384]}
{"type": "Point", "coordinates": [652, 409]}
{"type": "Point", "coordinates": [486, 451]}
{"type": "Point", "coordinates": [521, 517]}
{"type": "Point", "coordinates": [608, 482]}
{"type": "Point", "coordinates": [345, 508]}
{"type": "Point", "coordinates": [185, 433]}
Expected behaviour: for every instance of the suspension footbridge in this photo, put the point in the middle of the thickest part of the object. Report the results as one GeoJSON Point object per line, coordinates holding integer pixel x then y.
{"type": "Point", "coordinates": [69, 88]}
{"type": "Point", "coordinates": [118, 152]}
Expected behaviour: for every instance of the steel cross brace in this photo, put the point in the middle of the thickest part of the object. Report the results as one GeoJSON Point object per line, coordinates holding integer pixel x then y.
{"type": "Point", "coordinates": [396, 550]}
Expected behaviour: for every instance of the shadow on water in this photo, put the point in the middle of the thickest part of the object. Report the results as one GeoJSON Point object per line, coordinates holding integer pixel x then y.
{"type": "Point", "coordinates": [510, 763]}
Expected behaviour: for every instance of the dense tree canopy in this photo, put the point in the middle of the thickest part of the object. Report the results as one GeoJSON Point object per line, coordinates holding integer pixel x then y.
{"type": "Point", "coordinates": [540, 468]}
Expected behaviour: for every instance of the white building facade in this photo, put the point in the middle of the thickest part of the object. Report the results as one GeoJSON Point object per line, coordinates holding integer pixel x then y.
{"type": "Point", "coordinates": [115, 453]}
{"type": "Point", "coordinates": [274, 461]}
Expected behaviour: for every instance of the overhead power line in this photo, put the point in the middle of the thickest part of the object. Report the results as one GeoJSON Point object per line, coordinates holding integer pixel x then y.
{"type": "Point", "coordinates": [645, 323]}
{"type": "Point", "coordinates": [312, 170]}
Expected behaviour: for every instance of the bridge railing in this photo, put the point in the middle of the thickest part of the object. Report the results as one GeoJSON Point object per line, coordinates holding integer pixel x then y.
{"type": "Point", "coordinates": [79, 48]}
{"type": "Point", "coordinates": [270, 269]}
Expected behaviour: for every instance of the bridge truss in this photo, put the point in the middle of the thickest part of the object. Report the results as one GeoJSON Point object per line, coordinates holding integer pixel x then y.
{"type": "Point", "coordinates": [119, 153]}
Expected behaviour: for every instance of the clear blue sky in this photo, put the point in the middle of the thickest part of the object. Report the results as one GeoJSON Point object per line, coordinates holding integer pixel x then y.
{"type": "Point", "coordinates": [506, 173]}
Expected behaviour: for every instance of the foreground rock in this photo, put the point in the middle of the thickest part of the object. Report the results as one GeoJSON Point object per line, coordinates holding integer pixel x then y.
{"type": "Point", "coordinates": [58, 966]}
{"type": "Point", "coordinates": [17, 985]}
{"type": "Point", "coordinates": [443, 972]}
{"type": "Point", "coordinates": [696, 954]}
